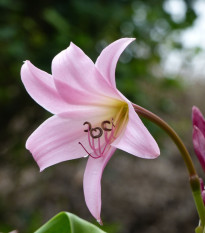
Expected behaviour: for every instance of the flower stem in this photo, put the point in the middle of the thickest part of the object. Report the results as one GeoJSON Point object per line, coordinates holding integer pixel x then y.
{"type": "Point", "coordinates": [193, 176]}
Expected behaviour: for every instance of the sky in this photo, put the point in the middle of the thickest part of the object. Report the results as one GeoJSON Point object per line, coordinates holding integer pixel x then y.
{"type": "Point", "coordinates": [184, 63]}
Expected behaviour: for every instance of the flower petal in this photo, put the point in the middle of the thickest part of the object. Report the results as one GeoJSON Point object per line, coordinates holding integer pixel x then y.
{"type": "Point", "coordinates": [57, 140]}
{"type": "Point", "coordinates": [201, 184]}
{"type": "Point", "coordinates": [199, 145]}
{"type": "Point", "coordinates": [203, 196]}
{"type": "Point", "coordinates": [94, 113]}
{"type": "Point", "coordinates": [136, 139]}
{"type": "Point", "coordinates": [107, 61]}
{"type": "Point", "coordinates": [198, 119]}
{"type": "Point", "coordinates": [40, 85]}
{"type": "Point", "coordinates": [77, 79]}
{"type": "Point", "coordinates": [92, 182]}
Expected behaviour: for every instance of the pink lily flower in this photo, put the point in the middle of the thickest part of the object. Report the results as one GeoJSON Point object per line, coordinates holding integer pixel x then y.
{"type": "Point", "coordinates": [199, 135]}
{"type": "Point", "coordinates": [91, 117]}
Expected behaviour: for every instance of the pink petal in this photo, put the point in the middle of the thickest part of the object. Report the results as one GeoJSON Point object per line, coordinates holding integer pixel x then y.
{"type": "Point", "coordinates": [77, 79]}
{"type": "Point", "coordinates": [203, 196]}
{"type": "Point", "coordinates": [90, 112]}
{"type": "Point", "coordinates": [198, 119]}
{"type": "Point", "coordinates": [40, 85]}
{"type": "Point", "coordinates": [57, 140]}
{"type": "Point", "coordinates": [92, 183]}
{"type": "Point", "coordinates": [107, 61]}
{"type": "Point", "coordinates": [201, 184]}
{"type": "Point", "coordinates": [199, 145]}
{"type": "Point", "coordinates": [136, 139]}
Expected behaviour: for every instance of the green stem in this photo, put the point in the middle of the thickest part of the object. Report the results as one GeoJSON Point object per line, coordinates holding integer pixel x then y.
{"type": "Point", "coordinates": [193, 176]}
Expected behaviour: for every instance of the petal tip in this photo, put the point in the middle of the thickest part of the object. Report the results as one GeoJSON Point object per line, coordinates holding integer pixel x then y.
{"type": "Point", "coordinates": [195, 110]}
{"type": "Point", "coordinates": [100, 221]}
{"type": "Point", "coordinates": [194, 107]}
{"type": "Point", "coordinates": [26, 61]}
{"type": "Point", "coordinates": [27, 145]}
{"type": "Point", "coordinates": [157, 152]}
{"type": "Point", "coordinates": [131, 38]}
{"type": "Point", "coordinates": [41, 169]}
{"type": "Point", "coordinates": [128, 38]}
{"type": "Point", "coordinates": [72, 46]}
{"type": "Point", "coordinates": [26, 69]}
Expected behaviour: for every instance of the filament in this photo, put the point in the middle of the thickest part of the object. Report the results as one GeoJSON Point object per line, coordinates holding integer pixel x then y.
{"type": "Point", "coordinates": [110, 134]}
{"type": "Point", "coordinates": [94, 157]}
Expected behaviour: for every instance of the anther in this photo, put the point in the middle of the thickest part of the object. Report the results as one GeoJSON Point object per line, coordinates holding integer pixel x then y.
{"type": "Point", "coordinates": [96, 133]}
{"type": "Point", "coordinates": [103, 125]}
{"type": "Point", "coordinates": [96, 129]}
{"type": "Point", "coordinates": [89, 126]}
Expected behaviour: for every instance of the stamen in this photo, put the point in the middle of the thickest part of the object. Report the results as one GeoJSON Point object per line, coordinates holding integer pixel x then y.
{"type": "Point", "coordinates": [84, 148]}
{"type": "Point", "coordinates": [90, 134]}
{"type": "Point", "coordinates": [105, 133]}
{"type": "Point", "coordinates": [89, 126]}
{"type": "Point", "coordinates": [88, 152]}
{"type": "Point", "coordinates": [99, 147]}
{"type": "Point", "coordinates": [94, 149]}
{"type": "Point", "coordinates": [89, 141]}
{"type": "Point", "coordinates": [98, 135]}
{"type": "Point", "coordinates": [108, 140]}
{"type": "Point", "coordinates": [92, 146]}
{"type": "Point", "coordinates": [104, 127]}
{"type": "Point", "coordinates": [97, 132]}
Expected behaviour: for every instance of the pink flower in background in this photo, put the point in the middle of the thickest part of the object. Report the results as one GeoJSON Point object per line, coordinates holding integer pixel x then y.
{"type": "Point", "coordinates": [91, 117]}
{"type": "Point", "coordinates": [202, 190]}
{"type": "Point", "coordinates": [199, 135]}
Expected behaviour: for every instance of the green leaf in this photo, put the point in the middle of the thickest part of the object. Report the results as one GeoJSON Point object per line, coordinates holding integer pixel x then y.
{"type": "Point", "coordinates": [65, 222]}
{"type": "Point", "coordinates": [199, 229]}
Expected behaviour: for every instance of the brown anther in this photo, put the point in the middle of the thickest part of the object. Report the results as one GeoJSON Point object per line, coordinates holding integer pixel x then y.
{"type": "Point", "coordinates": [96, 129]}
{"type": "Point", "coordinates": [103, 125]}
{"type": "Point", "coordinates": [89, 126]}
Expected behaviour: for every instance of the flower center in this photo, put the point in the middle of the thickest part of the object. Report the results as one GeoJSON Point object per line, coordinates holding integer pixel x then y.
{"type": "Point", "coordinates": [100, 137]}
{"type": "Point", "coordinates": [96, 135]}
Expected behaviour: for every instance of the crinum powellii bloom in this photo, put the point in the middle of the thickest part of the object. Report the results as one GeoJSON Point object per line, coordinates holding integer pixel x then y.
{"type": "Point", "coordinates": [91, 117]}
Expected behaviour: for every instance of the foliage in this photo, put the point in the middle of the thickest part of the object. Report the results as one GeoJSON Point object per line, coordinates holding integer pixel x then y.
{"type": "Point", "coordinates": [65, 222]}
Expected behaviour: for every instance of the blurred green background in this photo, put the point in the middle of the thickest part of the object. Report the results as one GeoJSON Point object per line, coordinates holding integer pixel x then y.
{"type": "Point", "coordinates": [137, 195]}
